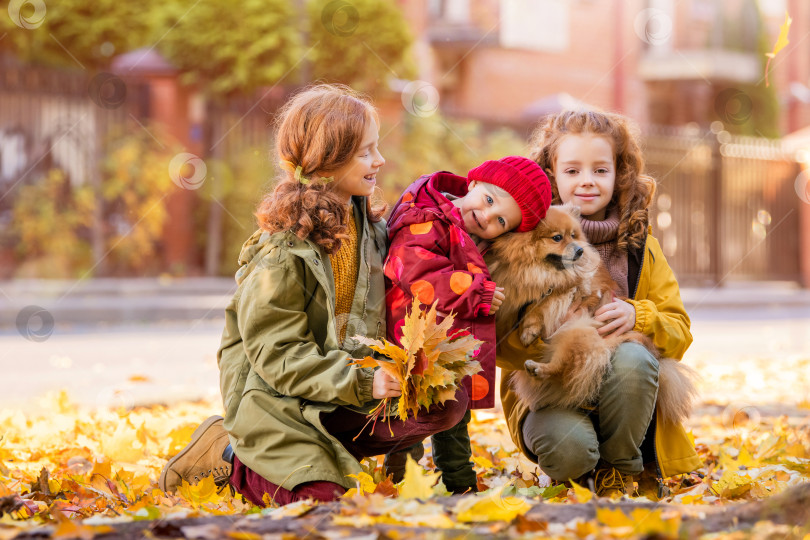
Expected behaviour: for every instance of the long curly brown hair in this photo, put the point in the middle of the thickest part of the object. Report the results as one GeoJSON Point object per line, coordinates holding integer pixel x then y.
{"type": "Point", "coordinates": [318, 129]}
{"type": "Point", "coordinates": [633, 190]}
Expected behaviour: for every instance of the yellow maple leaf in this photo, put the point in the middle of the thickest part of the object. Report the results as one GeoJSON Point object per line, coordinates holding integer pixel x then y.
{"type": "Point", "coordinates": [123, 445]}
{"type": "Point", "coordinates": [491, 507]}
{"type": "Point", "coordinates": [418, 483]}
{"type": "Point", "coordinates": [585, 529]}
{"type": "Point", "coordinates": [640, 521]}
{"type": "Point", "coordinates": [483, 462]}
{"type": "Point", "coordinates": [430, 364]}
{"type": "Point", "coordinates": [781, 42]}
{"type": "Point", "coordinates": [796, 450]}
{"type": "Point", "coordinates": [203, 492]}
{"type": "Point", "coordinates": [365, 483]}
{"type": "Point", "coordinates": [732, 484]}
{"type": "Point", "coordinates": [582, 493]}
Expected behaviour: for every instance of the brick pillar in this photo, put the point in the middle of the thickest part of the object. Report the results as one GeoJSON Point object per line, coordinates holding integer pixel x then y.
{"type": "Point", "coordinates": [169, 106]}
{"type": "Point", "coordinates": [804, 226]}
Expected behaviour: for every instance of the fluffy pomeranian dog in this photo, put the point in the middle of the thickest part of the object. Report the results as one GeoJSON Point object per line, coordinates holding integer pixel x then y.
{"type": "Point", "coordinates": [554, 281]}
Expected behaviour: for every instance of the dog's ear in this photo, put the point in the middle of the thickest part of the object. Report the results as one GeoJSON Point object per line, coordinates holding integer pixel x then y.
{"type": "Point", "coordinates": [573, 209]}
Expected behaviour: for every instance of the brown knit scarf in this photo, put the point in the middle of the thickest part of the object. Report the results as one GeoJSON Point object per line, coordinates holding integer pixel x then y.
{"type": "Point", "coordinates": [602, 235]}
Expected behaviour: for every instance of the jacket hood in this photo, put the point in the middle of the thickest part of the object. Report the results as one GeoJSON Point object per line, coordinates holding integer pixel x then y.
{"type": "Point", "coordinates": [252, 251]}
{"type": "Point", "coordinates": [424, 200]}
{"type": "Point", "coordinates": [262, 242]}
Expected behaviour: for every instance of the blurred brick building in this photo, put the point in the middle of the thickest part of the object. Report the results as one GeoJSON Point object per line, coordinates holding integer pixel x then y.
{"type": "Point", "coordinates": [666, 62]}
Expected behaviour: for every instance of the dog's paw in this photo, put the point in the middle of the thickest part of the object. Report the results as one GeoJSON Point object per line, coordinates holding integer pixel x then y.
{"type": "Point", "coordinates": [535, 369]}
{"type": "Point", "coordinates": [529, 335]}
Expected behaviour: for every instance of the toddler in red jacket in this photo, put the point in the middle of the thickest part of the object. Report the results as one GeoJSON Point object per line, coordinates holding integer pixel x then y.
{"type": "Point", "coordinates": [439, 230]}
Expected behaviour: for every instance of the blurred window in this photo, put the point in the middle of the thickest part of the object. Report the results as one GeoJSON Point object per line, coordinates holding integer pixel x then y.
{"type": "Point", "coordinates": [540, 25]}
{"type": "Point", "coordinates": [663, 15]}
{"type": "Point", "coordinates": [773, 8]}
{"type": "Point", "coordinates": [455, 11]}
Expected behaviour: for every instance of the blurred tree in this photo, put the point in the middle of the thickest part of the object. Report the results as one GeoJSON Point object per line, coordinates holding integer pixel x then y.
{"type": "Point", "coordinates": [51, 220]}
{"type": "Point", "coordinates": [434, 143]}
{"type": "Point", "coordinates": [237, 185]}
{"type": "Point", "coordinates": [76, 32]}
{"type": "Point", "coordinates": [227, 48]}
{"type": "Point", "coordinates": [744, 30]}
{"type": "Point", "coordinates": [362, 43]}
{"type": "Point", "coordinates": [134, 190]}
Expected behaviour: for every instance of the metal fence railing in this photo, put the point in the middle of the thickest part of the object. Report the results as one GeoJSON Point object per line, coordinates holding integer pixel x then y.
{"type": "Point", "coordinates": [726, 207]}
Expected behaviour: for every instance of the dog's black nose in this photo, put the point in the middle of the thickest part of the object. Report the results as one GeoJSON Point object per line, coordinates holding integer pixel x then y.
{"type": "Point", "coordinates": [578, 253]}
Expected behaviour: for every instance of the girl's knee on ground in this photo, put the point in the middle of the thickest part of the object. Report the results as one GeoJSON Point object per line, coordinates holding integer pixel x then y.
{"type": "Point", "coordinates": [564, 442]}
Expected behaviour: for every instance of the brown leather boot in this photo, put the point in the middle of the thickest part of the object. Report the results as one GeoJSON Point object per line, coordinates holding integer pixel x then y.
{"type": "Point", "coordinates": [200, 458]}
{"type": "Point", "coordinates": [611, 483]}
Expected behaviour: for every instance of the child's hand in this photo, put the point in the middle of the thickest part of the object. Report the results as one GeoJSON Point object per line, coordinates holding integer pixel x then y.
{"type": "Point", "coordinates": [384, 386]}
{"type": "Point", "coordinates": [619, 317]}
{"type": "Point", "coordinates": [497, 300]}
{"type": "Point", "coordinates": [575, 311]}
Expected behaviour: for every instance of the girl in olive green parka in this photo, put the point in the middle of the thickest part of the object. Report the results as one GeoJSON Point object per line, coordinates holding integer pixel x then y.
{"type": "Point", "coordinates": [309, 281]}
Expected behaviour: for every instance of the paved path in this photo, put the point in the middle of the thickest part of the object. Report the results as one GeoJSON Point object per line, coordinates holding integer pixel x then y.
{"type": "Point", "coordinates": [759, 356]}
{"type": "Point", "coordinates": [107, 366]}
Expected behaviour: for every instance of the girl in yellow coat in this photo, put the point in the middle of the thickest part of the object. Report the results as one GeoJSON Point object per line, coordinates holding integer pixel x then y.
{"type": "Point", "coordinates": [594, 161]}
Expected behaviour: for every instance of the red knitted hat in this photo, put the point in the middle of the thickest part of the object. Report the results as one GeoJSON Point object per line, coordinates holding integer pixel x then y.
{"type": "Point", "coordinates": [524, 180]}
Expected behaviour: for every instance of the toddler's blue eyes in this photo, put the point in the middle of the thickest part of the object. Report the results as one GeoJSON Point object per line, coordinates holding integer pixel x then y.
{"type": "Point", "coordinates": [489, 200]}
{"type": "Point", "coordinates": [502, 221]}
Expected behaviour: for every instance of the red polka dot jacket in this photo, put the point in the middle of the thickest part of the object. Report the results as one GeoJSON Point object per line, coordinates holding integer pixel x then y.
{"type": "Point", "coordinates": [431, 257]}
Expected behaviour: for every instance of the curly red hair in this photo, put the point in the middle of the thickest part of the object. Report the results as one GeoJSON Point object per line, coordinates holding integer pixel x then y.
{"type": "Point", "coordinates": [319, 129]}
{"type": "Point", "coordinates": [633, 190]}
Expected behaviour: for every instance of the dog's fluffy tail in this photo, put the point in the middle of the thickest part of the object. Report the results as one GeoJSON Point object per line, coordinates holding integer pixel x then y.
{"type": "Point", "coordinates": [676, 390]}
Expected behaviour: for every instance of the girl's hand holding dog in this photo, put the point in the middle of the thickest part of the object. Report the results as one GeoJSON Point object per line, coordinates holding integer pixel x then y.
{"type": "Point", "coordinates": [619, 317]}
{"type": "Point", "coordinates": [497, 300]}
{"type": "Point", "coordinates": [384, 386]}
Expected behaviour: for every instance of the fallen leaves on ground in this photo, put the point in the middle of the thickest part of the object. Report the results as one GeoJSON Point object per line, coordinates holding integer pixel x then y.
{"type": "Point", "coordinates": [82, 471]}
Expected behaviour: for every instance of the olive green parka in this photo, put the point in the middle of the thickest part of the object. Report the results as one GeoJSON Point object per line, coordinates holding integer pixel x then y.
{"type": "Point", "coordinates": [280, 362]}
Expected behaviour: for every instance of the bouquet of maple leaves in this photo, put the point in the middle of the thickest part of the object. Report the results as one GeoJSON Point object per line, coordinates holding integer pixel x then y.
{"type": "Point", "coordinates": [430, 364]}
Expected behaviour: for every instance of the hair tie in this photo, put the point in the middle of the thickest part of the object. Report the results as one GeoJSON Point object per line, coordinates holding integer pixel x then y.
{"type": "Point", "coordinates": [298, 174]}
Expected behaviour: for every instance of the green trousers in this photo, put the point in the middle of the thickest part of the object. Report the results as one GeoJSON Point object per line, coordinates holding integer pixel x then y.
{"type": "Point", "coordinates": [568, 443]}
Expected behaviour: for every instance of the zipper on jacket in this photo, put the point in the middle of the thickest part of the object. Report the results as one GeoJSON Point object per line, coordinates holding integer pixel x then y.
{"type": "Point", "coordinates": [640, 267]}
{"type": "Point", "coordinates": [368, 269]}
{"type": "Point", "coordinates": [659, 476]}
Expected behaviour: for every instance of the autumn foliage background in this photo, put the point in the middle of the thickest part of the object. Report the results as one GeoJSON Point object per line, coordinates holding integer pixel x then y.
{"type": "Point", "coordinates": [76, 465]}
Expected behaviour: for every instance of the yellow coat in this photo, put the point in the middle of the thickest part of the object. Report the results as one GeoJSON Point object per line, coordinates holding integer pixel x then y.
{"type": "Point", "coordinates": [659, 314]}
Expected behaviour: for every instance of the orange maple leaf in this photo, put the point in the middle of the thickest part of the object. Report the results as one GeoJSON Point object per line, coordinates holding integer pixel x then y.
{"type": "Point", "coordinates": [430, 364]}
